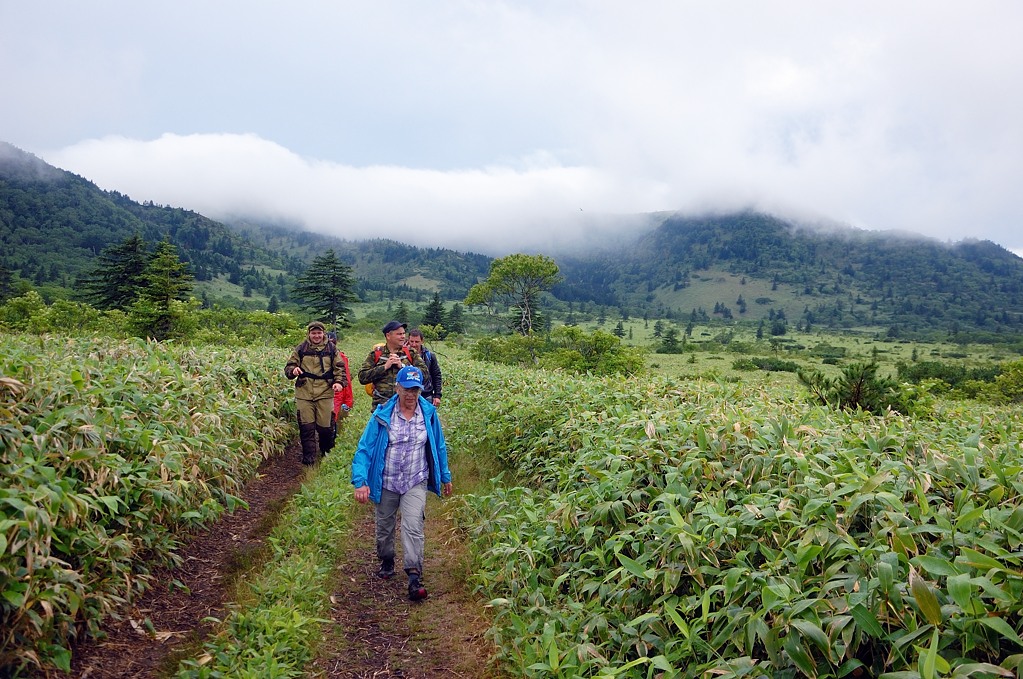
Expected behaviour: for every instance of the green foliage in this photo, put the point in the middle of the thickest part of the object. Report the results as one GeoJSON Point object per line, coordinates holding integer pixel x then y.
{"type": "Point", "coordinates": [521, 350]}
{"type": "Point", "coordinates": [859, 387]}
{"type": "Point", "coordinates": [517, 280]}
{"type": "Point", "coordinates": [326, 288]}
{"type": "Point", "coordinates": [29, 313]}
{"type": "Point", "coordinates": [109, 451]}
{"type": "Point", "coordinates": [118, 275]}
{"type": "Point", "coordinates": [598, 353]}
{"type": "Point", "coordinates": [433, 314]}
{"type": "Point", "coordinates": [952, 374]}
{"type": "Point", "coordinates": [159, 310]}
{"type": "Point", "coordinates": [567, 348]}
{"type": "Point", "coordinates": [768, 363]}
{"type": "Point", "coordinates": [232, 327]}
{"type": "Point", "coordinates": [670, 343]}
{"type": "Point", "coordinates": [17, 313]}
{"type": "Point", "coordinates": [694, 529]}
{"type": "Point", "coordinates": [1009, 383]}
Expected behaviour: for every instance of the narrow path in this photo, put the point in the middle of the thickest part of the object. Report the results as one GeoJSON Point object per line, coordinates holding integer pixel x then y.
{"type": "Point", "coordinates": [169, 617]}
{"type": "Point", "coordinates": [376, 631]}
{"type": "Point", "coordinates": [379, 633]}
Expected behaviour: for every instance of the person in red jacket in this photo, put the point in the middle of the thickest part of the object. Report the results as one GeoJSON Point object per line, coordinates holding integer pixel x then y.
{"type": "Point", "coordinates": [344, 399]}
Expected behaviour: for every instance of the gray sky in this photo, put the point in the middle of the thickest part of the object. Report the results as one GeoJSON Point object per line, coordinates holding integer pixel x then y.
{"type": "Point", "coordinates": [498, 126]}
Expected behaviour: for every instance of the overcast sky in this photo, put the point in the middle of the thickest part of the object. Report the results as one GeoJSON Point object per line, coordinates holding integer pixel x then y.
{"type": "Point", "coordinates": [504, 126]}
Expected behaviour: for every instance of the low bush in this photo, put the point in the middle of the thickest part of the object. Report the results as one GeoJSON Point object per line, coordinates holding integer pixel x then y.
{"type": "Point", "coordinates": [109, 451]}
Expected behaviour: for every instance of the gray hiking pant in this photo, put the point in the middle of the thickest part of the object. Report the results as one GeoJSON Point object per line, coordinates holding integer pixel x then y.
{"type": "Point", "coordinates": [412, 506]}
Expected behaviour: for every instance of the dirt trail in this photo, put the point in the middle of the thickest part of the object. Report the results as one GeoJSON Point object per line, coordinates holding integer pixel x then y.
{"type": "Point", "coordinates": [209, 560]}
{"type": "Point", "coordinates": [377, 631]}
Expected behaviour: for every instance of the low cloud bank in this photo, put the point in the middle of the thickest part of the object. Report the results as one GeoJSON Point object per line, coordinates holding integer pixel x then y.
{"type": "Point", "coordinates": [531, 204]}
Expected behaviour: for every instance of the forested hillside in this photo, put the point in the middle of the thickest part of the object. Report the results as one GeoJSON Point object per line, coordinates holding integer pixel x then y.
{"type": "Point", "coordinates": [840, 277]}
{"type": "Point", "coordinates": [737, 267]}
{"type": "Point", "coordinates": [53, 225]}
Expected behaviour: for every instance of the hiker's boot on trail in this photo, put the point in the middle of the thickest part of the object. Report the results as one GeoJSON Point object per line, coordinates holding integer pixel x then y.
{"type": "Point", "coordinates": [416, 589]}
{"type": "Point", "coordinates": [326, 439]}
{"type": "Point", "coordinates": [307, 433]}
{"type": "Point", "coordinates": [386, 568]}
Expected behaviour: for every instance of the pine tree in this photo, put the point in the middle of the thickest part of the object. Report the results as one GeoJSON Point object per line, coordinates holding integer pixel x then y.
{"type": "Point", "coordinates": [6, 282]}
{"type": "Point", "coordinates": [326, 288]}
{"type": "Point", "coordinates": [433, 314]}
{"type": "Point", "coordinates": [166, 277]}
{"type": "Point", "coordinates": [401, 313]}
{"type": "Point", "coordinates": [456, 320]}
{"type": "Point", "coordinates": [118, 278]}
{"type": "Point", "coordinates": [167, 281]}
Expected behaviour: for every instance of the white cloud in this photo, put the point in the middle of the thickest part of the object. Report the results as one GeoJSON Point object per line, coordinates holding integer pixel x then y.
{"type": "Point", "coordinates": [493, 209]}
{"type": "Point", "coordinates": [490, 124]}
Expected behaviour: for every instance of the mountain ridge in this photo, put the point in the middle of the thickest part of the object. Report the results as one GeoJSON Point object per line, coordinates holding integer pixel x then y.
{"type": "Point", "coordinates": [731, 266]}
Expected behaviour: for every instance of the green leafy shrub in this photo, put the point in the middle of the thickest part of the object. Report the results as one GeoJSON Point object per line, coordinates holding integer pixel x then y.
{"type": "Point", "coordinates": [767, 363]}
{"type": "Point", "coordinates": [109, 451]}
{"type": "Point", "coordinates": [859, 387]}
{"type": "Point", "coordinates": [694, 529]}
{"type": "Point", "coordinates": [567, 348]}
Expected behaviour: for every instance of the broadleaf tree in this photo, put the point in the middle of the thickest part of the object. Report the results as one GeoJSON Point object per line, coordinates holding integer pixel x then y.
{"type": "Point", "coordinates": [326, 289]}
{"type": "Point", "coordinates": [519, 281]}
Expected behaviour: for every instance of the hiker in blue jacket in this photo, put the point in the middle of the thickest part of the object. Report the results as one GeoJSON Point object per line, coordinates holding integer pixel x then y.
{"type": "Point", "coordinates": [402, 455]}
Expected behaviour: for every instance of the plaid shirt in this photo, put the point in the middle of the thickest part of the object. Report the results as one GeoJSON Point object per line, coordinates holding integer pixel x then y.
{"type": "Point", "coordinates": [405, 460]}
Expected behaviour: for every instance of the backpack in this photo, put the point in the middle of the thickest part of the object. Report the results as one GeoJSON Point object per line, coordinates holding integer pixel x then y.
{"type": "Point", "coordinates": [329, 350]}
{"type": "Point", "coordinates": [378, 351]}
{"type": "Point", "coordinates": [345, 396]}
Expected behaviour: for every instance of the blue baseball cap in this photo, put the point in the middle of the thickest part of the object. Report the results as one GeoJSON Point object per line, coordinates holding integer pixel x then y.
{"type": "Point", "coordinates": [410, 377]}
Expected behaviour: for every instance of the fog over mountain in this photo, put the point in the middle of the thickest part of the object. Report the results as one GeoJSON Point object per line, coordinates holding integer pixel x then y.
{"type": "Point", "coordinates": [502, 126]}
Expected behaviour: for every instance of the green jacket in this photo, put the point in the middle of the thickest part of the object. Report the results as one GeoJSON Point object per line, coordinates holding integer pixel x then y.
{"type": "Point", "coordinates": [373, 372]}
{"type": "Point", "coordinates": [321, 367]}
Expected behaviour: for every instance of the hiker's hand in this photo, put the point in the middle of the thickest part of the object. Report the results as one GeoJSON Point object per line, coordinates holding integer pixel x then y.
{"type": "Point", "coordinates": [337, 386]}
{"type": "Point", "coordinates": [447, 489]}
{"type": "Point", "coordinates": [436, 401]}
{"type": "Point", "coordinates": [393, 360]}
{"type": "Point", "coordinates": [296, 372]}
{"type": "Point", "coordinates": [362, 494]}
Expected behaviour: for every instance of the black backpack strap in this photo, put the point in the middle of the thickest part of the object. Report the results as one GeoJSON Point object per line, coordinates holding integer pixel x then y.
{"type": "Point", "coordinates": [329, 350]}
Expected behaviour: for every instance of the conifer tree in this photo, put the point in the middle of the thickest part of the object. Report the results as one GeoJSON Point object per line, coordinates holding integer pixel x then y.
{"type": "Point", "coordinates": [433, 314]}
{"type": "Point", "coordinates": [401, 312]}
{"type": "Point", "coordinates": [6, 282]}
{"type": "Point", "coordinates": [117, 280]}
{"type": "Point", "coordinates": [326, 288]}
{"type": "Point", "coordinates": [157, 312]}
{"type": "Point", "coordinates": [456, 320]}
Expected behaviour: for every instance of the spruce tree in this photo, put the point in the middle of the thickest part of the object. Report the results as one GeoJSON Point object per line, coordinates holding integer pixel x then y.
{"type": "Point", "coordinates": [326, 288]}
{"type": "Point", "coordinates": [167, 281]}
{"type": "Point", "coordinates": [118, 278]}
{"type": "Point", "coordinates": [433, 314]}
{"type": "Point", "coordinates": [456, 320]}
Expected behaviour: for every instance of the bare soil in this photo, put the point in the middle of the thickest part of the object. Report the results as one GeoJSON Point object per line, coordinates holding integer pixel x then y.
{"type": "Point", "coordinates": [377, 631]}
